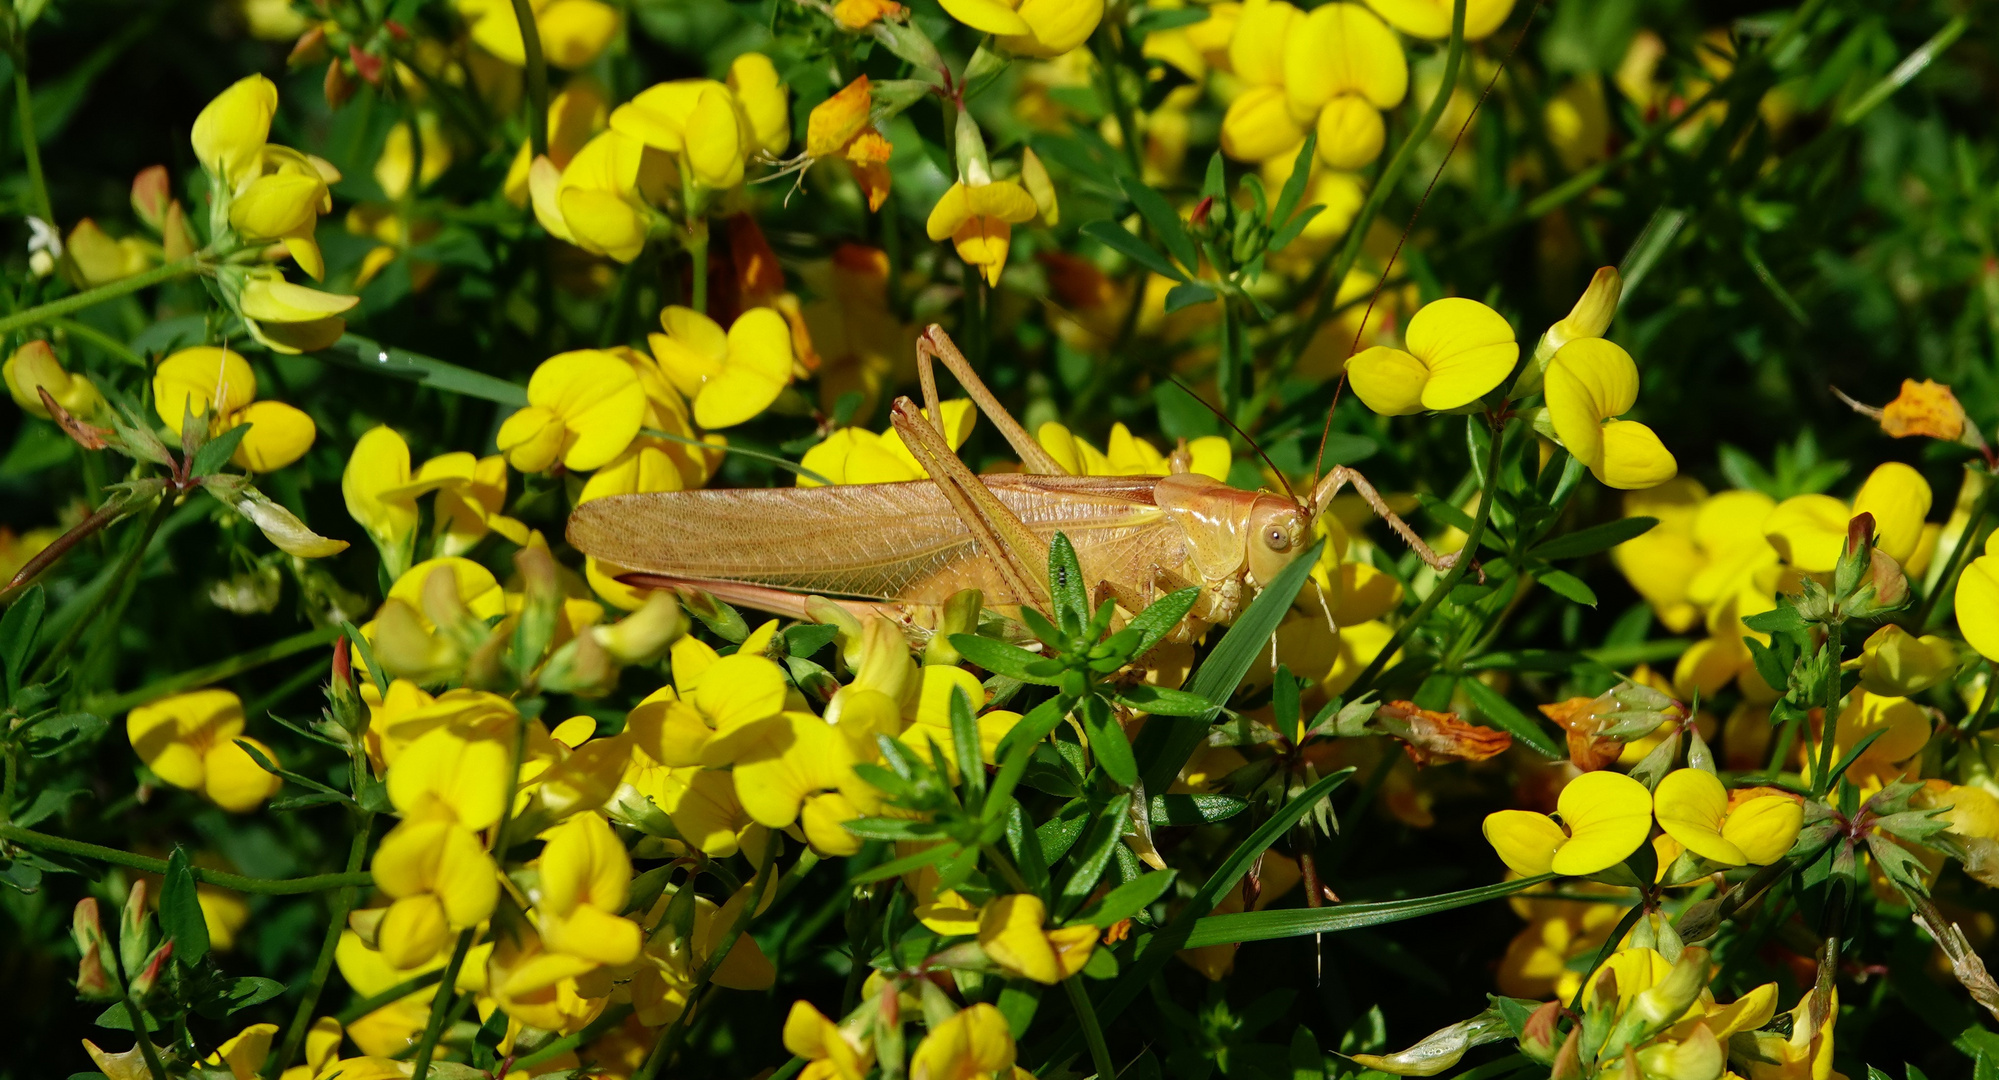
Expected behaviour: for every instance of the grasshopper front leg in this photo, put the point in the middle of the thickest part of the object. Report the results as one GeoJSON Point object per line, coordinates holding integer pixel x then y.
{"type": "Point", "coordinates": [1340, 476]}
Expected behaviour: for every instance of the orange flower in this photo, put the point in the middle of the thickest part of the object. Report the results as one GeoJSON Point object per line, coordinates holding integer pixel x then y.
{"type": "Point", "coordinates": [859, 14]}
{"type": "Point", "coordinates": [1438, 737]}
{"type": "Point", "coordinates": [839, 127]}
{"type": "Point", "coordinates": [1587, 750]}
{"type": "Point", "coordinates": [1924, 408]}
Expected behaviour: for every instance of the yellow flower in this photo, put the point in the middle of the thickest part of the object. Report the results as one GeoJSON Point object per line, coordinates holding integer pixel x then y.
{"type": "Point", "coordinates": [1011, 933]}
{"type": "Point", "coordinates": [447, 784]}
{"type": "Point", "coordinates": [974, 1044]}
{"type": "Point", "coordinates": [285, 205]}
{"type": "Point", "coordinates": [1896, 663]}
{"type": "Point", "coordinates": [1899, 498]}
{"type": "Point", "coordinates": [471, 492]}
{"type": "Point", "coordinates": [381, 495]}
{"type": "Point", "coordinates": [572, 32]}
{"type": "Point", "coordinates": [839, 127]}
{"type": "Point", "coordinates": [243, 1054]}
{"type": "Point", "coordinates": [860, 14]}
{"type": "Point", "coordinates": [711, 712]}
{"type": "Point", "coordinates": [219, 384]}
{"type": "Point", "coordinates": [978, 218]}
{"type": "Point", "coordinates": [731, 377]}
{"type": "Point", "coordinates": [1607, 815]}
{"type": "Point", "coordinates": [703, 806]}
{"type": "Point", "coordinates": [1041, 28]}
{"type": "Point", "coordinates": [540, 987]}
{"type": "Point", "coordinates": [1129, 455]}
{"type": "Point", "coordinates": [576, 114]}
{"type": "Point", "coordinates": [858, 456]}
{"type": "Point", "coordinates": [398, 160]}
{"type": "Point", "coordinates": [455, 773]}
{"type": "Point", "coordinates": [1905, 728]}
{"type": "Point", "coordinates": [189, 740]}
{"type": "Point", "coordinates": [1808, 531]}
{"type": "Point", "coordinates": [290, 318]}
{"type": "Point", "coordinates": [1432, 18]}
{"type": "Point", "coordinates": [1344, 66]}
{"type": "Point", "coordinates": [101, 259]}
{"type": "Point", "coordinates": [34, 367]}
{"type": "Point", "coordinates": [829, 1053]}
{"type": "Point", "coordinates": [1978, 601]}
{"type": "Point", "coordinates": [584, 407]}
{"type": "Point", "coordinates": [585, 879]}
{"type": "Point", "coordinates": [1458, 350]}
{"type": "Point", "coordinates": [1695, 810]}
{"type": "Point", "coordinates": [1589, 383]}
{"type": "Point", "coordinates": [230, 132]}
{"type": "Point", "coordinates": [712, 127]}
{"type": "Point", "coordinates": [593, 201]}
{"type": "Point", "coordinates": [1803, 1054]}
{"type": "Point", "coordinates": [1660, 562]}
{"type": "Point", "coordinates": [799, 768]}
{"type": "Point", "coordinates": [765, 104]}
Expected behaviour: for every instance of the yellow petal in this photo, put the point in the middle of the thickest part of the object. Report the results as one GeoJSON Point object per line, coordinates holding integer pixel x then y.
{"type": "Point", "coordinates": [1389, 381]}
{"type": "Point", "coordinates": [1054, 26]}
{"type": "Point", "coordinates": [1527, 842]}
{"type": "Point", "coordinates": [1468, 347]}
{"type": "Point", "coordinates": [836, 121]}
{"type": "Point", "coordinates": [1978, 605]}
{"type": "Point", "coordinates": [714, 140]}
{"type": "Point", "coordinates": [280, 204]}
{"type": "Point", "coordinates": [574, 32]}
{"type": "Point", "coordinates": [1010, 933]}
{"type": "Point", "coordinates": [1432, 18]}
{"type": "Point", "coordinates": [1256, 49]}
{"type": "Point", "coordinates": [1691, 805]}
{"type": "Point", "coordinates": [1808, 531]}
{"type": "Point", "coordinates": [598, 399]}
{"type": "Point", "coordinates": [283, 302]}
{"type": "Point", "coordinates": [1899, 499]}
{"type": "Point", "coordinates": [792, 758]}
{"type": "Point", "coordinates": [1633, 457]}
{"type": "Point", "coordinates": [230, 131]}
{"type": "Point", "coordinates": [953, 209]}
{"type": "Point", "coordinates": [1259, 124]}
{"type": "Point", "coordinates": [1002, 199]}
{"type": "Point", "coordinates": [1764, 828]}
{"type": "Point", "coordinates": [204, 380]}
{"type": "Point", "coordinates": [990, 16]}
{"type": "Point", "coordinates": [736, 693]}
{"type": "Point", "coordinates": [1608, 815]}
{"type": "Point", "coordinates": [233, 780]}
{"type": "Point", "coordinates": [764, 100]}
{"type": "Point", "coordinates": [279, 436]}
{"type": "Point", "coordinates": [1351, 132]}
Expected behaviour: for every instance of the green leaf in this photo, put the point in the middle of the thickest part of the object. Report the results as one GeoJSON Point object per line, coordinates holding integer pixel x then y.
{"type": "Point", "coordinates": [353, 350]}
{"type": "Point", "coordinates": [1165, 221]}
{"type": "Point", "coordinates": [1162, 701]}
{"type": "Point", "coordinates": [1782, 619]}
{"type": "Point", "coordinates": [1187, 294]}
{"type": "Point", "coordinates": [1501, 712]}
{"type": "Point", "coordinates": [217, 451]}
{"type": "Point", "coordinates": [1113, 236]}
{"type": "Point", "coordinates": [1108, 743]}
{"type": "Point", "coordinates": [17, 636]}
{"type": "Point", "coordinates": [1130, 898]}
{"type": "Point", "coordinates": [1298, 922]}
{"type": "Point", "coordinates": [1106, 831]}
{"type": "Point", "coordinates": [930, 856]}
{"type": "Point", "coordinates": [806, 639]}
{"type": "Point", "coordinates": [1195, 809]}
{"type": "Point", "coordinates": [180, 911]}
{"type": "Point", "coordinates": [1065, 585]}
{"type": "Point", "coordinates": [54, 734]}
{"type": "Point", "coordinates": [1445, 513]}
{"type": "Point", "coordinates": [1018, 1001]}
{"type": "Point", "coordinates": [1159, 619]}
{"type": "Point", "coordinates": [965, 745]}
{"type": "Point", "coordinates": [1164, 748]}
{"type": "Point", "coordinates": [1594, 539]}
{"type": "Point", "coordinates": [1294, 185]}
{"type": "Point", "coordinates": [251, 990]}
{"type": "Point", "coordinates": [1000, 658]}
{"type": "Point", "coordinates": [1565, 584]}
{"type": "Point", "coordinates": [117, 1019]}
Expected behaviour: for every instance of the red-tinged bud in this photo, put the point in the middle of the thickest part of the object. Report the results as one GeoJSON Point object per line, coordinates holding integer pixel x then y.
{"type": "Point", "coordinates": [1860, 532]}
{"type": "Point", "coordinates": [367, 66]}
{"type": "Point", "coordinates": [402, 33]}
{"type": "Point", "coordinates": [1538, 1036]}
{"type": "Point", "coordinates": [135, 929]}
{"type": "Point", "coordinates": [339, 85]}
{"type": "Point", "coordinates": [1201, 210]}
{"type": "Point", "coordinates": [151, 191]}
{"type": "Point", "coordinates": [94, 978]}
{"type": "Point", "coordinates": [343, 667]}
{"type": "Point", "coordinates": [143, 983]}
{"type": "Point", "coordinates": [1569, 1061]}
{"type": "Point", "coordinates": [310, 48]}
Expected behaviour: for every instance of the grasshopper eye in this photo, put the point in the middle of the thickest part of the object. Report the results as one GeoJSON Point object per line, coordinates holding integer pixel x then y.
{"type": "Point", "coordinates": [1276, 539]}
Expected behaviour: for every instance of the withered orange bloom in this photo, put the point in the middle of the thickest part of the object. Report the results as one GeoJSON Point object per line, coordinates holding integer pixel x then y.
{"type": "Point", "coordinates": [859, 14]}
{"type": "Point", "coordinates": [1438, 737]}
{"type": "Point", "coordinates": [838, 127]}
{"type": "Point", "coordinates": [1924, 408]}
{"type": "Point", "coordinates": [1577, 717]}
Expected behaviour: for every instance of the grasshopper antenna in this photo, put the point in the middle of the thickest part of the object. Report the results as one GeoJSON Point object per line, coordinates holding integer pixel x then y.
{"type": "Point", "coordinates": [1326, 433]}
{"type": "Point", "coordinates": [1275, 471]}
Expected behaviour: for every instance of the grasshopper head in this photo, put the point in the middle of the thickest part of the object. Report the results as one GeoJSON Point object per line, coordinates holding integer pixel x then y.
{"type": "Point", "coordinates": [1277, 532]}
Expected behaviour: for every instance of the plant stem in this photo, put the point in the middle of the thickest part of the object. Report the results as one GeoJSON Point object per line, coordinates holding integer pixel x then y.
{"type": "Point", "coordinates": [440, 1006]}
{"type": "Point", "coordinates": [390, 996]}
{"type": "Point", "coordinates": [669, 1044]}
{"type": "Point", "coordinates": [147, 1050]}
{"type": "Point", "coordinates": [1822, 778]}
{"type": "Point", "coordinates": [1967, 542]}
{"type": "Point", "coordinates": [90, 297]}
{"type": "Point", "coordinates": [343, 901]}
{"type": "Point", "coordinates": [1093, 1033]}
{"type": "Point", "coordinates": [612, 1017]}
{"type": "Point", "coordinates": [1328, 284]}
{"type": "Point", "coordinates": [216, 672]}
{"type": "Point", "coordinates": [1975, 721]}
{"type": "Point", "coordinates": [119, 589]}
{"type": "Point", "coordinates": [121, 595]}
{"type": "Point", "coordinates": [1466, 556]}
{"type": "Point", "coordinates": [537, 78]}
{"type": "Point", "coordinates": [233, 882]}
{"type": "Point", "coordinates": [31, 149]}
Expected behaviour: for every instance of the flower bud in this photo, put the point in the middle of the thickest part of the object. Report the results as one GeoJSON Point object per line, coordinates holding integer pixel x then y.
{"type": "Point", "coordinates": [95, 978]}
{"type": "Point", "coordinates": [643, 636]}
{"type": "Point", "coordinates": [151, 191]}
{"type": "Point", "coordinates": [1538, 1035]}
{"type": "Point", "coordinates": [135, 931]}
{"type": "Point", "coordinates": [367, 925]}
{"type": "Point", "coordinates": [310, 48]}
{"type": "Point", "coordinates": [1443, 1049]}
{"type": "Point", "coordinates": [1669, 999]}
{"type": "Point", "coordinates": [1896, 663]}
{"type": "Point", "coordinates": [338, 85]}
{"type": "Point", "coordinates": [1697, 1057]}
{"type": "Point", "coordinates": [149, 972]}
{"type": "Point", "coordinates": [581, 667]}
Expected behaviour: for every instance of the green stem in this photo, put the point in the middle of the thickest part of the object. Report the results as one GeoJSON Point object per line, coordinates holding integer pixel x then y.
{"type": "Point", "coordinates": [1328, 284]}
{"type": "Point", "coordinates": [669, 1044]}
{"type": "Point", "coordinates": [1822, 778]}
{"type": "Point", "coordinates": [1967, 542]}
{"type": "Point", "coordinates": [612, 1017]}
{"type": "Point", "coordinates": [151, 1053]}
{"type": "Point", "coordinates": [216, 672]}
{"type": "Point", "coordinates": [1973, 723]}
{"type": "Point", "coordinates": [121, 592]}
{"type": "Point", "coordinates": [1093, 1033]}
{"type": "Point", "coordinates": [440, 1006]}
{"type": "Point", "coordinates": [90, 297]}
{"type": "Point", "coordinates": [31, 149]}
{"type": "Point", "coordinates": [537, 78]}
{"type": "Point", "coordinates": [119, 588]}
{"type": "Point", "coordinates": [343, 902]}
{"type": "Point", "coordinates": [1467, 555]}
{"type": "Point", "coordinates": [390, 996]}
{"type": "Point", "coordinates": [102, 340]}
{"type": "Point", "coordinates": [1127, 127]}
{"type": "Point", "coordinates": [232, 882]}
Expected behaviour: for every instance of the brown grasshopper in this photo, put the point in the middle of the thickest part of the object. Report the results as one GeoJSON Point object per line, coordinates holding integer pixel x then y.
{"type": "Point", "coordinates": [904, 549]}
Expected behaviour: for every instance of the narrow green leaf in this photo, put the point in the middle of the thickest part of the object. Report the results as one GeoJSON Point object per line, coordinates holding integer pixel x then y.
{"type": "Point", "coordinates": [1569, 586]}
{"type": "Point", "coordinates": [17, 635]}
{"type": "Point", "coordinates": [217, 452]}
{"type": "Point", "coordinates": [180, 911]}
{"type": "Point", "coordinates": [1130, 898]}
{"type": "Point", "coordinates": [1195, 809]}
{"type": "Point", "coordinates": [1187, 294]}
{"type": "Point", "coordinates": [965, 745]}
{"type": "Point", "coordinates": [353, 350]}
{"type": "Point", "coordinates": [1159, 619]}
{"type": "Point", "coordinates": [1105, 832]}
{"type": "Point", "coordinates": [1108, 743]}
{"type": "Point", "coordinates": [1162, 701]}
{"type": "Point", "coordinates": [1065, 585]}
{"type": "Point", "coordinates": [1594, 539]}
{"type": "Point", "coordinates": [1501, 712]}
{"type": "Point", "coordinates": [1298, 922]}
{"type": "Point", "coordinates": [1113, 236]}
{"type": "Point", "coordinates": [1165, 221]}
{"type": "Point", "coordinates": [999, 657]}
{"type": "Point", "coordinates": [1294, 185]}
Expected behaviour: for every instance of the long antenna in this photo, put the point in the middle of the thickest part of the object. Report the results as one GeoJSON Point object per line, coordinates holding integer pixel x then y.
{"type": "Point", "coordinates": [1275, 471]}
{"type": "Point", "coordinates": [1326, 433]}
